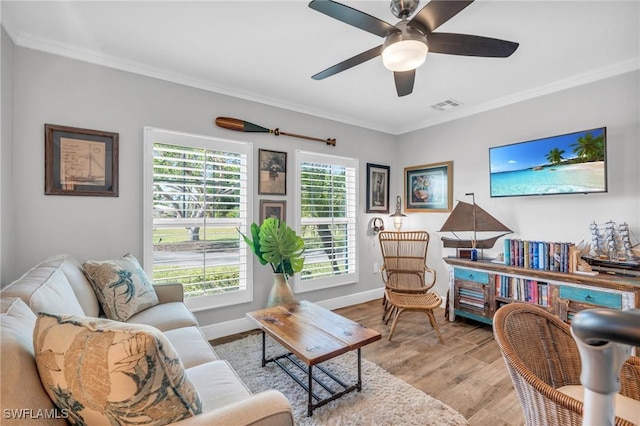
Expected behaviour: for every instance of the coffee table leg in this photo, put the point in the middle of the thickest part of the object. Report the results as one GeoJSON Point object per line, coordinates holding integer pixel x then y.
{"type": "Point", "coordinates": [310, 404]}
{"type": "Point", "coordinates": [264, 343]}
{"type": "Point", "coordinates": [359, 385]}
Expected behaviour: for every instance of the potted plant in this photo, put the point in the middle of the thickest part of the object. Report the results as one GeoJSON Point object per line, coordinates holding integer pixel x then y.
{"type": "Point", "coordinates": [275, 243]}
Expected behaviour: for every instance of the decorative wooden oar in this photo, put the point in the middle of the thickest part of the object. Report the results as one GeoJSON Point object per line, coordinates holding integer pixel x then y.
{"type": "Point", "coordinates": [245, 126]}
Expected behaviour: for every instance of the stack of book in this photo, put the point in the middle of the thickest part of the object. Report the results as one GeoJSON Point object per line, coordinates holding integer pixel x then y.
{"type": "Point", "coordinates": [472, 298]}
{"type": "Point", "coordinates": [550, 256]}
{"type": "Point", "coordinates": [522, 289]}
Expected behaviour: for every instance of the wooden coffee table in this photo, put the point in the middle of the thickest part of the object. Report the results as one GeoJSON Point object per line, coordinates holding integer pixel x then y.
{"type": "Point", "coordinates": [314, 335]}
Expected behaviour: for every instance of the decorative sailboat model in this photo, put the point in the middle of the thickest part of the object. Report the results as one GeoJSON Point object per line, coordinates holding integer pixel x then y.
{"type": "Point", "coordinates": [610, 247]}
{"type": "Point", "coordinates": [467, 217]}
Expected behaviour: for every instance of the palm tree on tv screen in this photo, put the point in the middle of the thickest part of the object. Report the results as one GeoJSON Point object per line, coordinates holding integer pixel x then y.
{"type": "Point", "coordinates": [589, 148]}
{"type": "Point", "coordinates": [555, 156]}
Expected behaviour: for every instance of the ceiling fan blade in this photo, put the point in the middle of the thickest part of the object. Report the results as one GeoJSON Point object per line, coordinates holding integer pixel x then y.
{"type": "Point", "coordinates": [470, 45]}
{"type": "Point", "coordinates": [437, 12]}
{"type": "Point", "coordinates": [349, 63]}
{"type": "Point", "coordinates": [404, 82]}
{"type": "Point", "coordinates": [354, 17]}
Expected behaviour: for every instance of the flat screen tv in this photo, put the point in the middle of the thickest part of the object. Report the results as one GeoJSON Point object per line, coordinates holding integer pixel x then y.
{"type": "Point", "coordinates": [574, 163]}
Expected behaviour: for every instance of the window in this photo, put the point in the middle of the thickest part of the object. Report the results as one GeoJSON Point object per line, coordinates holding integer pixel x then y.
{"type": "Point", "coordinates": [197, 194]}
{"type": "Point", "coordinates": [326, 219]}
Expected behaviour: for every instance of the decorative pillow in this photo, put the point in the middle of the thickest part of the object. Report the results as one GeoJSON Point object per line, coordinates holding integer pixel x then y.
{"type": "Point", "coordinates": [121, 286]}
{"type": "Point", "coordinates": [105, 372]}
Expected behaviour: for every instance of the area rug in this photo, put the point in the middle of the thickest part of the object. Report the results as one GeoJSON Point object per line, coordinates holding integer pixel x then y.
{"type": "Point", "coordinates": [384, 399]}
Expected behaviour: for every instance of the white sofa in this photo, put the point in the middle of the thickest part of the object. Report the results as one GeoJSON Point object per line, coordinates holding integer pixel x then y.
{"type": "Point", "coordinates": [59, 286]}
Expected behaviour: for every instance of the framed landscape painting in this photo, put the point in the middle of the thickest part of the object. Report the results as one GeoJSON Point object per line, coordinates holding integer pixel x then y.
{"type": "Point", "coordinates": [377, 188]}
{"type": "Point", "coordinates": [429, 188]}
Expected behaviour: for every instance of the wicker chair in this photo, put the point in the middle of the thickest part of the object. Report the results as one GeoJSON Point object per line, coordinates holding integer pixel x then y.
{"type": "Point", "coordinates": [541, 356]}
{"type": "Point", "coordinates": [406, 277]}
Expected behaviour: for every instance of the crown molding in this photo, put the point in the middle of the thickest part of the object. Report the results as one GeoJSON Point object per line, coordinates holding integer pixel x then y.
{"type": "Point", "coordinates": [91, 56]}
{"type": "Point", "coordinates": [98, 58]}
{"type": "Point", "coordinates": [558, 86]}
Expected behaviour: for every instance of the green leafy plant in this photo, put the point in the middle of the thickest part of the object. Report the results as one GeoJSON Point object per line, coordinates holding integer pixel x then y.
{"type": "Point", "coordinates": [275, 243]}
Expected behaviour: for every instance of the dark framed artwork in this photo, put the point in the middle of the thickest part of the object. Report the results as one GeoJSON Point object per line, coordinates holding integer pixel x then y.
{"type": "Point", "coordinates": [377, 188]}
{"type": "Point", "coordinates": [429, 188]}
{"type": "Point", "coordinates": [273, 172]}
{"type": "Point", "coordinates": [273, 208]}
{"type": "Point", "coordinates": [80, 161]}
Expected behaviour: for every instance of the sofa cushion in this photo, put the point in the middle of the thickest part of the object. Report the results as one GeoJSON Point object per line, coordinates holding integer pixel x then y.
{"type": "Point", "coordinates": [191, 345]}
{"type": "Point", "coordinates": [166, 316]}
{"type": "Point", "coordinates": [218, 384]}
{"type": "Point", "coordinates": [22, 394]}
{"type": "Point", "coordinates": [121, 285]}
{"type": "Point", "coordinates": [45, 288]}
{"type": "Point", "coordinates": [108, 372]}
{"type": "Point", "coordinates": [83, 289]}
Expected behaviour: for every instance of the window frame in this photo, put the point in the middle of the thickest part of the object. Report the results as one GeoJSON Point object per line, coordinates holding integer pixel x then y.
{"type": "Point", "coordinates": [156, 135]}
{"type": "Point", "coordinates": [300, 156]}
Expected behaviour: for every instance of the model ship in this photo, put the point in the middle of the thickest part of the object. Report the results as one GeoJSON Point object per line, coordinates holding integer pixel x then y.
{"type": "Point", "coordinates": [611, 245]}
{"type": "Point", "coordinates": [467, 217]}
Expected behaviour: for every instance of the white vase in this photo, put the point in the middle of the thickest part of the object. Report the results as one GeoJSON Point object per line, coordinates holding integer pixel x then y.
{"type": "Point", "coordinates": [280, 293]}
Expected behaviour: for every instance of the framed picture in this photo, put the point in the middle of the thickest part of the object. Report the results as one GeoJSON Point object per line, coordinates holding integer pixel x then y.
{"type": "Point", "coordinates": [273, 208]}
{"type": "Point", "coordinates": [429, 188]}
{"type": "Point", "coordinates": [80, 161]}
{"type": "Point", "coordinates": [377, 188]}
{"type": "Point", "coordinates": [273, 172]}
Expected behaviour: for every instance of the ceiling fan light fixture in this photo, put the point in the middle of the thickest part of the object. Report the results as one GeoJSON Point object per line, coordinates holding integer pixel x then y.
{"type": "Point", "coordinates": [405, 46]}
{"type": "Point", "coordinates": [404, 55]}
{"type": "Point", "coordinates": [405, 50]}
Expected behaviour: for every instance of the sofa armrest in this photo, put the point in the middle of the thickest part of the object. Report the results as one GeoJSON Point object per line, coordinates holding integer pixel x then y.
{"type": "Point", "coordinates": [268, 408]}
{"type": "Point", "coordinates": [172, 292]}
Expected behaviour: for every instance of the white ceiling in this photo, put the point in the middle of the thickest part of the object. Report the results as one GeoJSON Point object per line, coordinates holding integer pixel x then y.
{"type": "Point", "coordinates": [266, 51]}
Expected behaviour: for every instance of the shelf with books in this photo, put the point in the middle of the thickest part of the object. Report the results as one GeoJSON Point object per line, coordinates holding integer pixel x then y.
{"type": "Point", "coordinates": [510, 288]}
{"type": "Point", "coordinates": [471, 295]}
{"type": "Point", "coordinates": [479, 288]}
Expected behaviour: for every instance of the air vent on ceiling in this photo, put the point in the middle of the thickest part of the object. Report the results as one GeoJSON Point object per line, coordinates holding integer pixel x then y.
{"type": "Point", "coordinates": [445, 105]}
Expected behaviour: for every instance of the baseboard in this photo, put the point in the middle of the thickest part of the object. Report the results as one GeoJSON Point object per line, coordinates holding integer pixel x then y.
{"type": "Point", "coordinates": [226, 328]}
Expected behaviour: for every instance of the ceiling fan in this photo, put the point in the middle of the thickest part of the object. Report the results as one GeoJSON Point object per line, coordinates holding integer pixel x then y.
{"type": "Point", "coordinates": [406, 44]}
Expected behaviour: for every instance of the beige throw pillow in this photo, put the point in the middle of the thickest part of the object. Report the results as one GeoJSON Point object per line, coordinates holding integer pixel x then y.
{"type": "Point", "coordinates": [106, 372]}
{"type": "Point", "coordinates": [121, 286]}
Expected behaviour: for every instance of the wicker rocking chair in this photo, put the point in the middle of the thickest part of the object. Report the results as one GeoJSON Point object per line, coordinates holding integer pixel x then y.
{"type": "Point", "coordinates": [406, 277]}
{"type": "Point", "coordinates": [542, 357]}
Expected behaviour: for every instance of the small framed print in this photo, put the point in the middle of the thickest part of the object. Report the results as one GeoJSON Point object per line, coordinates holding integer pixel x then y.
{"type": "Point", "coordinates": [80, 161]}
{"type": "Point", "coordinates": [273, 172]}
{"type": "Point", "coordinates": [377, 188]}
{"type": "Point", "coordinates": [429, 188]}
{"type": "Point", "coordinates": [273, 208]}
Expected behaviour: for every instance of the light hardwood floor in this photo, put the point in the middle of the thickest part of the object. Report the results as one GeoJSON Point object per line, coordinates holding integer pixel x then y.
{"type": "Point", "coordinates": [467, 372]}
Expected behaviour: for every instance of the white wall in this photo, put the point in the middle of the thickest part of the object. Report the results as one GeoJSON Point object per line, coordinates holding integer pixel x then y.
{"type": "Point", "coordinates": [613, 103]}
{"type": "Point", "coordinates": [57, 90]}
{"type": "Point", "coordinates": [52, 89]}
{"type": "Point", "coordinates": [6, 154]}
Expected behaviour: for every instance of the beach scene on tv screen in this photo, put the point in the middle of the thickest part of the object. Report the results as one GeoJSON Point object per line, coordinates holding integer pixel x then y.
{"type": "Point", "coordinates": [564, 164]}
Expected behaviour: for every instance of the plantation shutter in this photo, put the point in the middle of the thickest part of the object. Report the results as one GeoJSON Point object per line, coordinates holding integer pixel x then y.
{"type": "Point", "coordinates": [200, 198]}
{"type": "Point", "coordinates": [326, 213]}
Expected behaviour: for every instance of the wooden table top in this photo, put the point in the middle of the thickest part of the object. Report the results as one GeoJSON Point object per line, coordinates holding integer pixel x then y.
{"type": "Point", "coordinates": [314, 334]}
